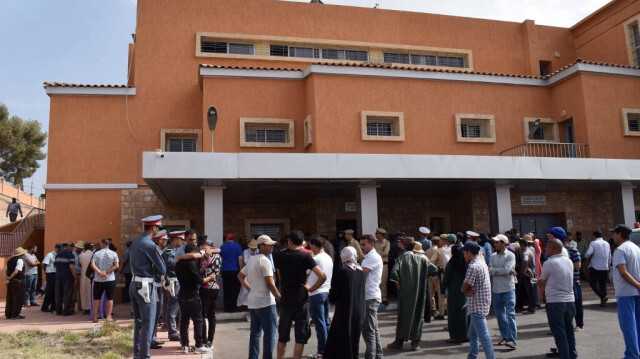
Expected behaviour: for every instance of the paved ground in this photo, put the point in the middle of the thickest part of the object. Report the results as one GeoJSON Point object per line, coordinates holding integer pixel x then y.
{"type": "Point", "coordinates": [601, 338]}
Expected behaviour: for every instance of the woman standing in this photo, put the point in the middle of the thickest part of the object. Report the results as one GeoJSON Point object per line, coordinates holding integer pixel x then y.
{"type": "Point", "coordinates": [454, 274]}
{"type": "Point", "coordinates": [347, 292]}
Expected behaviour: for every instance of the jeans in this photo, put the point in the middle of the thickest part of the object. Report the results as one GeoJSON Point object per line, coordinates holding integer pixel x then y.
{"type": "Point", "coordinates": [172, 312]}
{"type": "Point", "coordinates": [30, 289]}
{"type": "Point", "coordinates": [577, 294]}
{"type": "Point", "coordinates": [560, 317]}
{"type": "Point", "coordinates": [370, 332]}
{"type": "Point", "coordinates": [319, 310]}
{"type": "Point", "coordinates": [598, 281]}
{"type": "Point", "coordinates": [629, 320]}
{"type": "Point", "coordinates": [49, 302]}
{"type": "Point", "coordinates": [504, 305]}
{"type": "Point", "coordinates": [478, 332]}
{"type": "Point", "coordinates": [190, 308]}
{"type": "Point", "coordinates": [144, 316]}
{"type": "Point", "coordinates": [262, 320]}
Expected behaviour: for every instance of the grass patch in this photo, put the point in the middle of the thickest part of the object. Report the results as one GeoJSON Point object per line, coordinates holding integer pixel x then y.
{"type": "Point", "coordinates": [109, 342]}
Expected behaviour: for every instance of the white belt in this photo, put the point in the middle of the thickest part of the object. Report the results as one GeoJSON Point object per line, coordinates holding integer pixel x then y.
{"type": "Point", "coordinates": [173, 279]}
{"type": "Point", "coordinates": [157, 285]}
{"type": "Point", "coordinates": [143, 279]}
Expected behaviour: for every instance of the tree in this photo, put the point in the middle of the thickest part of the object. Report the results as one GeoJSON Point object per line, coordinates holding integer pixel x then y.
{"type": "Point", "coordinates": [21, 144]}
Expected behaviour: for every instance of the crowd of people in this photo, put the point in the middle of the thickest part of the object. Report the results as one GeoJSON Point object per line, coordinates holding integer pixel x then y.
{"type": "Point", "coordinates": [173, 279]}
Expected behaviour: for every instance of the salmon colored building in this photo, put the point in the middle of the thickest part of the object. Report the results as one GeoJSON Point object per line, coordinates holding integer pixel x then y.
{"type": "Point", "coordinates": [331, 117]}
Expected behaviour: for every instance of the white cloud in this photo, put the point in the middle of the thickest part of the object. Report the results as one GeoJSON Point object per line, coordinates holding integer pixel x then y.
{"type": "Point", "coordinates": [565, 13]}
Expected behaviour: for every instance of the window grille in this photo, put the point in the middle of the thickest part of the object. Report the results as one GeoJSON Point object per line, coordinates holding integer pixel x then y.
{"type": "Point", "coordinates": [633, 122]}
{"type": "Point", "coordinates": [301, 52]}
{"type": "Point", "coordinates": [272, 230]}
{"type": "Point", "coordinates": [178, 144]}
{"type": "Point", "coordinates": [242, 49]}
{"type": "Point", "coordinates": [279, 50]}
{"type": "Point", "coordinates": [544, 132]}
{"type": "Point", "coordinates": [474, 128]}
{"type": "Point", "coordinates": [356, 55]}
{"type": "Point", "coordinates": [450, 61]}
{"type": "Point", "coordinates": [265, 134]}
{"type": "Point", "coordinates": [391, 57]}
{"type": "Point", "coordinates": [635, 43]}
{"type": "Point", "coordinates": [416, 59]}
{"type": "Point", "coordinates": [382, 127]}
{"type": "Point", "coordinates": [221, 47]}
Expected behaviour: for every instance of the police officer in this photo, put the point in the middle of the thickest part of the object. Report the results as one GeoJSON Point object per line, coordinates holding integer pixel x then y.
{"type": "Point", "coordinates": [145, 259]}
{"type": "Point", "coordinates": [173, 286]}
{"type": "Point", "coordinates": [158, 283]}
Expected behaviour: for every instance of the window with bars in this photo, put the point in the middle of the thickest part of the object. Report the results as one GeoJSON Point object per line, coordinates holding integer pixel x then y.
{"type": "Point", "coordinates": [418, 59]}
{"type": "Point", "coordinates": [382, 127]}
{"type": "Point", "coordinates": [475, 128]}
{"type": "Point", "coordinates": [544, 133]}
{"type": "Point", "coordinates": [635, 43]}
{"type": "Point", "coordinates": [318, 53]}
{"type": "Point", "coordinates": [547, 130]}
{"type": "Point", "coordinates": [222, 47]}
{"type": "Point", "coordinates": [265, 134]}
{"type": "Point", "coordinates": [633, 122]}
{"type": "Point", "coordinates": [181, 144]}
{"type": "Point", "coordinates": [272, 230]}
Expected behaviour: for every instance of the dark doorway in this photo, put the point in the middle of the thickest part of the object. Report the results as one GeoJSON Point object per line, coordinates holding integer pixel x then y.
{"type": "Point", "coordinates": [538, 223]}
{"type": "Point", "coordinates": [344, 224]}
{"type": "Point", "coordinates": [569, 138]}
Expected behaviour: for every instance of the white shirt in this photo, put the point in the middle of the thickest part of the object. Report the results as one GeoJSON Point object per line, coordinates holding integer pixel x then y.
{"type": "Point", "coordinates": [258, 267]}
{"type": "Point", "coordinates": [600, 253]}
{"type": "Point", "coordinates": [628, 254]}
{"type": "Point", "coordinates": [49, 260]}
{"type": "Point", "coordinates": [28, 269]}
{"type": "Point", "coordinates": [373, 261]}
{"type": "Point", "coordinates": [557, 271]}
{"type": "Point", "coordinates": [323, 260]}
{"type": "Point", "coordinates": [19, 265]}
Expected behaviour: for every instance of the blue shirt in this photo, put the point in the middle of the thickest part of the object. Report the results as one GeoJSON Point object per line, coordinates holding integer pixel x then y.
{"type": "Point", "coordinates": [169, 256]}
{"type": "Point", "coordinates": [63, 260]}
{"type": "Point", "coordinates": [230, 252]}
{"type": "Point", "coordinates": [144, 256]}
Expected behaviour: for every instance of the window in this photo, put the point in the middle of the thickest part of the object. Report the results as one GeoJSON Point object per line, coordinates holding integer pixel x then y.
{"type": "Point", "coordinates": [475, 128]}
{"type": "Point", "coordinates": [547, 131]}
{"type": "Point", "coordinates": [266, 132]}
{"type": "Point", "coordinates": [417, 59]}
{"type": "Point", "coordinates": [180, 140]}
{"type": "Point", "coordinates": [274, 228]}
{"type": "Point", "coordinates": [632, 34]}
{"type": "Point", "coordinates": [221, 47]}
{"type": "Point", "coordinates": [382, 126]}
{"type": "Point", "coordinates": [631, 121]}
{"type": "Point", "coordinates": [318, 53]}
{"type": "Point", "coordinates": [544, 68]}
{"type": "Point", "coordinates": [308, 132]}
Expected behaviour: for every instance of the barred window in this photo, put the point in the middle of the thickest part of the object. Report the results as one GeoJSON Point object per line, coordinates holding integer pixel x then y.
{"type": "Point", "coordinates": [222, 47]}
{"type": "Point", "coordinates": [266, 134]}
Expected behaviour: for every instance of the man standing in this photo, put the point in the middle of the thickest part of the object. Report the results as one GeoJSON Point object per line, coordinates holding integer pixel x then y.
{"type": "Point", "coordinates": [78, 248]}
{"type": "Point", "coordinates": [173, 286]}
{"type": "Point", "coordinates": [424, 239]}
{"type": "Point", "coordinates": [66, 278]}
{"type": "Point", "coordinates": [527, 271]}
{"type": "Point", "coordinates": [440, 258]}
{"type": "Point", "coordinates": [348, 237]}
{"type": "Point", "coordinates": [382, 247]}
{"type": "Point", "coordinates": [31, 274]}
{"type": "Point", "coordinates": [319, 299]}
{"type": "Point", "coordinates": [502, 270]}
{"type": "Point", "coordinates": [188, 274]}
{"type": "Point", "coordinates": [477, 288]}
{"type": "Point", "coordinates": [292, 265]}
{"type": "Point", "coordinates": [372, 267]}
{"type": "Point", "coordinates": [232, 261]}
{"type": "Point", "coordinates": [257, 278]}
{"type": "Point", "coordinates": [600, 254]}
{"type": "Point", "coordinates": [49, 269]}
{"type": "Point", "coordinates": [158, 282]}
{"type": "Point", "coordinates": [144, 261]}
{"type": "Point", "coordinates": [85, 293]}
{"type": "Point", "coordinates": [410, 273]}
{"type": "Point", "coordinates": [574, 255]}
{"type": "Point", "coordinates": [105, 262]}
{"type": "Point", "coordinates": [14, 274]}
{"type": "Point", "coordinates": [556, 282]}
{"type": "Point", "coordinates": [626, 261]}
{"type": "Point", "coordinates": [13, 209]}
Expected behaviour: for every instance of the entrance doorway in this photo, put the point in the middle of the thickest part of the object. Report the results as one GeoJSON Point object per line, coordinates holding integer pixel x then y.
{"type": "Point", "coordinates": [538, 223]}
{"type": "Point", "coordinates": [344, 224]}
{"type": "Point", "coordinates": [569, 138]}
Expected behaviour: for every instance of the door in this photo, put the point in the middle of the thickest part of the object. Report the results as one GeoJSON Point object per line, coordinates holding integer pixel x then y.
{"type": "Point", "coordinates": [569, 139]}
{"type": "Point", "coordinates": [538, 223]}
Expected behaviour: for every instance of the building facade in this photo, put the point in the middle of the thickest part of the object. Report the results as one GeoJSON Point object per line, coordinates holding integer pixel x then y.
{"type": "Point", "coordinates": [334, 117]}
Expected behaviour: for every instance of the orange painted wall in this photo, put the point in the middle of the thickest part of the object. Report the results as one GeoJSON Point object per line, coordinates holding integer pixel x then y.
{"type": "Point", "coordinates": [82, 215]}
{"type": "Point", "coordinates": [601, 37]}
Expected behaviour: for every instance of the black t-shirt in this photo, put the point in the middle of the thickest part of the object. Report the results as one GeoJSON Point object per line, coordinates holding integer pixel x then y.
{"type": "Point", "coordinates": [189, 278]}
{"type": "Point", "coordinates": [293, 265]}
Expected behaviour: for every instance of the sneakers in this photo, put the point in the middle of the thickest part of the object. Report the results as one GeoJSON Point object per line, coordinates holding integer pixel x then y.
{"type": "Point", "coordinates": [315, 356]}
{"type": "Point", "coordinates": [174, 338]}
{"type": "Point", "coordinates": [202, 350]}
{"type": "Point", "coordinates": [209, 345]}
{"type": "Point", "coordinates": [509, 344]}
{"type": "Point", "coordinates": [603, 301]}
{"type": "Point", "coordinates": [502, 341]}
{"type": "Point", "coordinates": [578, 329]}
{"type": "Point", "coordinates": [184, 350]}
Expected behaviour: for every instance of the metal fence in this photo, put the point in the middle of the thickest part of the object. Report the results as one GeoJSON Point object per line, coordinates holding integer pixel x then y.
{"type": "Point", "coordinates": [548, 149]}
{"type": "Point", "coordinates": [11, 240]}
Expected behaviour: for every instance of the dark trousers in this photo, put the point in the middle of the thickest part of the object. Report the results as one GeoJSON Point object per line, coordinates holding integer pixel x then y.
{"type": "Point", "coordinates": [13, 217]}
{"type": "Point", "coordinates": [127, 283]}
{"type": "Point", "coordinates": [230, 290]}
{"type": "Point", "coordinates": [524, 293]}
{"type": "Point", "coordinates": [64, 296]}
{"type": "Point", "coordinates": [598, 281]}
{"type": "Point", "coordinates": [577, 293]}
{"type": "Point", "coordinates": [427, 305]}
{"type": "Point", "coordinates": [49, 302]}
{"type": "Point", "coordinates": [190, 308]}
{"type": "Point", "coordinates": [15, 297]}
{"type": "Point", "coordinates": [208, 299]}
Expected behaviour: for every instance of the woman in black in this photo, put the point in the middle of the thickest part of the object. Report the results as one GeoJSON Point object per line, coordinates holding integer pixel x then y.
{"type": "Point", "coordinates": [347, 292]}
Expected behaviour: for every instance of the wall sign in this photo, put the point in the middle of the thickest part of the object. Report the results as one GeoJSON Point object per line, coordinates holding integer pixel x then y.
{"type": "Point", "coordinates": [533, 200]}
{"type": "Point", "coordinates": [349, 206]}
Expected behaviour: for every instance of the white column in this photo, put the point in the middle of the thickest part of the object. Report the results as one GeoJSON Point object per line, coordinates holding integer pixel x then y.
{"type": "Point", "coordinates": [503, 206]}
{"type": "Point", "coordinates": [367, 209]}
{"type": "Point", "coordinates": [628, 206]}
{"type": "Point", "coordinates": [213, 214]}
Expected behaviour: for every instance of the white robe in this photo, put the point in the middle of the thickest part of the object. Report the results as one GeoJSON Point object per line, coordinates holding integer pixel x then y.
{"type": "Point", "coordinates": [85, 283]}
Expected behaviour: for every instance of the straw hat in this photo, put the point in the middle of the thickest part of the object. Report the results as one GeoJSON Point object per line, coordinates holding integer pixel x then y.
{"type": "Point", "coordinates": [417, 248]}
{"type": "Point", "coordinates": [18, 252]}
{"type": "Point", "coordinates": [253, 244]}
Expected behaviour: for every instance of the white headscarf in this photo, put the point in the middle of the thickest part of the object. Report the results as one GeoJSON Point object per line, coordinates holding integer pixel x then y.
{"type": "Point", "coordinates": [348, 257]}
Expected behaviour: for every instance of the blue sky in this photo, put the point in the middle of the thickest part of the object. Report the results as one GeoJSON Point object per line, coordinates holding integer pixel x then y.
{"type": "Point", "coordinates": [86, 41]}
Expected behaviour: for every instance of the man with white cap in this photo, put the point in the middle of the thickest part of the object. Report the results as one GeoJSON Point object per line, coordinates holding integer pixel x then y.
{"type": "Point", "coordinates": [257, 278]}
{"type": "Point", "coordinates": [144, 261]}
{"type": "Point", "coordinates": [503, 274]}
